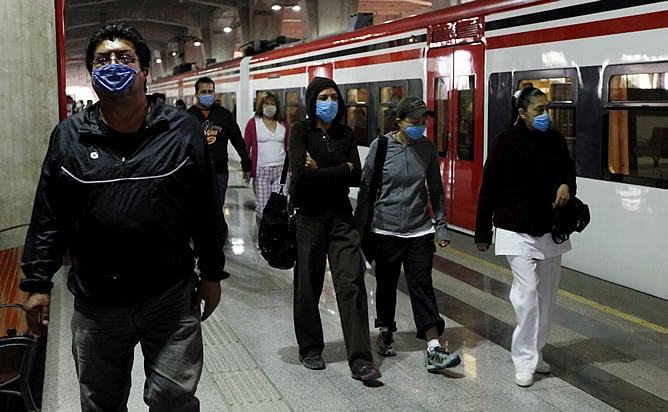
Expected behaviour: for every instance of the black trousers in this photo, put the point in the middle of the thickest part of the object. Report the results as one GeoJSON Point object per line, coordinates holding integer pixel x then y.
{"type": "Point", "coordinates": [416, 254]}
{"type": "Point", "coordinates": [333, 236]}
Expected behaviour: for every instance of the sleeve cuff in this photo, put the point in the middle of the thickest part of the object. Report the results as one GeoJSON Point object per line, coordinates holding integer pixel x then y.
{"type": "Point", "coordinates": [215, 277]}
{"type": "Point", "coordinates": [36, 285]}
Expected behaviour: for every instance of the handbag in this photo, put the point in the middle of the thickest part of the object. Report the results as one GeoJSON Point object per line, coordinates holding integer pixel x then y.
{"type": "Point", "coordinates": [368, 243]}
{"type": "Point", "coordinates": [572, 217]}
{"type": "Point", "coordinates": [277, 233]}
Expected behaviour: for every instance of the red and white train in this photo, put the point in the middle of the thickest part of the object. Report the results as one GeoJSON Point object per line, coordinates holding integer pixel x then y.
{"type": "Point", "coordinates": [603, 65]}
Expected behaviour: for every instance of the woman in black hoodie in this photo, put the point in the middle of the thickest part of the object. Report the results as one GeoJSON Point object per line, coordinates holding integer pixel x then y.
{"type": "Point", "coordinates": [325, 163]}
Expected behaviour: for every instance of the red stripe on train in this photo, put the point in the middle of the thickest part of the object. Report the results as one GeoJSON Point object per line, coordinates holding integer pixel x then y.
{"type": "Point", "coordinates": [629, 24]}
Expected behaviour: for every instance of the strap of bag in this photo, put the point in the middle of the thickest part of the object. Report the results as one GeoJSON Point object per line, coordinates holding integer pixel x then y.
{"type": "Point", "coordinates": [284, 172]}
{"type": "Point", "coordinates": [377, 177]}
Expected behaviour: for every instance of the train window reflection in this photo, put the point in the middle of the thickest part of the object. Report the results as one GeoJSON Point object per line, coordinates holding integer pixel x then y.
{"type": "Point", "coordinates": [441, 105]}
{"type": "Point", "coordinates": [561, 106]}
{"type": "Point", "coordinates": [389, 97]}
{"type": "Point", "coordinates": [293, 106]}
{"type": "Point", "coordinates": [465, 119]}
{"type": "Point", "coordinates": [639, 87]}
{"type": "Point", "coordinates": [638, 133]}
{"type": "Point", "coordinates": [356, 113]}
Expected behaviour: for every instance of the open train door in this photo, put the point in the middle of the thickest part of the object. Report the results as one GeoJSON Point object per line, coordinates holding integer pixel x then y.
{"type": "Point", "coordinates": [455, 90]}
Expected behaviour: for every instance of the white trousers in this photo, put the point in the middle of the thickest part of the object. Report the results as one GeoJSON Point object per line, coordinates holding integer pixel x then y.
{"type": "Point", "coordinates": [533, 295]}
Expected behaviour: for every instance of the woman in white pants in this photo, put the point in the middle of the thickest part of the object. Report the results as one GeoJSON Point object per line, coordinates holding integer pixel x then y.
{"type": "Point", "coordinates": [528, 173]}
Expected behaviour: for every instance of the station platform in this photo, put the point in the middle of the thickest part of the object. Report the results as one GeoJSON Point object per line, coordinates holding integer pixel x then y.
{"type": "Point", "coordinates": [608, 348]}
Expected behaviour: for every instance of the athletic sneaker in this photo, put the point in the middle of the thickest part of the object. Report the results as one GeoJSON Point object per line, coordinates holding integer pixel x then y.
{"type": "Point", "coordinates": [438, 358]}
{"type": "Point", "coordinates": [385, 344]}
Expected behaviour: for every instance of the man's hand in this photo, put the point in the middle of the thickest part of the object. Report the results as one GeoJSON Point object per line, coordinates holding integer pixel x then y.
{"type": "Point", "coordinates": [208, 291]}
{"type": "Point", "coordinates": [482, 247]}
{"type": "Point", "coordinates": [562, 196]}
{"type": "Point", "coordinates": [247, 177]}
{"type": "Point", "coordinates": [37, 305]}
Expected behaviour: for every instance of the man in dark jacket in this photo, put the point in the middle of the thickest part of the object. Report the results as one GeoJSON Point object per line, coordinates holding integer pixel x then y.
{"type": "Point", "coordinates": [325, 163]}
{"type": "Point", "coordinates": [219, 127]}
{"type": "Point", "coordinates": [126, 185]}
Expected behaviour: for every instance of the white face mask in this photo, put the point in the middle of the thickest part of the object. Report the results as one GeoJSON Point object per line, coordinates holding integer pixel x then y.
{"type": "Point", "coordinates": [269, 111]}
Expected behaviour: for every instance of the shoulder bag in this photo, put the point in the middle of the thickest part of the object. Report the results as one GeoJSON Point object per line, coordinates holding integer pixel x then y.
{"type": "Point", "coordinates": [572, 217]}
{"type": "Point", "coordinates": [277, 234]}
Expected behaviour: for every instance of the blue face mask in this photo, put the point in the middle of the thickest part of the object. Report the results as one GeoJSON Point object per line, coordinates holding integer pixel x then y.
{"type": "Point", "coordinates": [415, 132]}
{"type": "Point", "coordinates": [114, 78]}
{"type": "Point", "coordinates": [542, 122]}
{"type": "Point", "coordinates": [326, 111]}
{"type": "Point", "coordinates": [206, 100]}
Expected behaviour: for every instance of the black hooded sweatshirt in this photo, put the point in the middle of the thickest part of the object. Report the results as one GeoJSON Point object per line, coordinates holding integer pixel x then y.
{"type": "Point", "coordinates": [326, 188]}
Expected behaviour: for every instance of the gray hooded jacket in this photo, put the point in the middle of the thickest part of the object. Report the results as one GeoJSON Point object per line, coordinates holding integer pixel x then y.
{"type": "Point", "coordinates": [411, 179]}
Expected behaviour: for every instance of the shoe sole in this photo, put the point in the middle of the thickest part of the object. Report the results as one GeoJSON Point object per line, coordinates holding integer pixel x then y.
{"type": "Point", "coordinates": [386, 354]}
{"type": "Point", "coordinates": [368, 377]}
{"type": "Point", "coordinates": [450, 362]}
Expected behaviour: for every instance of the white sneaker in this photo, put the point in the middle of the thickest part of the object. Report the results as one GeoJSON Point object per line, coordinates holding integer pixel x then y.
{"type": "Point", "coordinates": [543, 367]}
{"type": "Point", "coordinates": [524, 379]}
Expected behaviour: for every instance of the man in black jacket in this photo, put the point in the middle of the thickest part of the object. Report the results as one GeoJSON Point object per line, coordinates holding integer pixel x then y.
{"type": "Point", "coordinates": [125, 185]}
{"type": "Point", "coordinates": [219, 127]}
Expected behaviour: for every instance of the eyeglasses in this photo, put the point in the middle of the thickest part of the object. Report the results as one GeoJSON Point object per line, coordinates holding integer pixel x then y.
{"type": "Point", "coordinates": [122, 58]}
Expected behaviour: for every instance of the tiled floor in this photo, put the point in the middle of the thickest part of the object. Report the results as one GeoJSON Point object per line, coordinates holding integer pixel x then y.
{"type": "Point", "coordinates": [601, 360]}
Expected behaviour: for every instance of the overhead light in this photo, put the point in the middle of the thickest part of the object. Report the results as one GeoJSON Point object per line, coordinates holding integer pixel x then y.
{"type": "Point", "coordinates": [174, 53]}
{"type": "Point", "coordinates": [158, 60]}
{"type": "Point", "coordinates": [296, 7]}
{"type": "Point", "coordinates": [197, 43]}
{"type": "Point", "coordinates": [227, 29]}
{"type": "Point", "coordinates": [276, 7]}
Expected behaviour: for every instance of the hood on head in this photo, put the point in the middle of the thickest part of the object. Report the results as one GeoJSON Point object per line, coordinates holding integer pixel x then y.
{"type": "Point", "coordinates": [318, 84]}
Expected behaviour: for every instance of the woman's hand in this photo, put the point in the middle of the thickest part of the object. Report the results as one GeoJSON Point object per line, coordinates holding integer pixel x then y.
{"type": "Point", "coordinates": [562, 196]}
{"type": "Point", "coordinates": [310, 162]}
{"type": "Point", "coordinates": [444, 243]}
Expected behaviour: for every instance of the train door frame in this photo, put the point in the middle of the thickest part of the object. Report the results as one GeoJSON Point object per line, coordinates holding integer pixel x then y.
{"type": "Point", "coordinates": [461, 167]}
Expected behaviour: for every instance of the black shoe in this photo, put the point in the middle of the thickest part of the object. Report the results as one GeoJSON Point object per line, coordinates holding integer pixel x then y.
{"type": "Point", "coordinates": [367, 373]}
{"type": "Point", "coordinates": [385, 344]}
{"type": "Point", "coordinates": [315, 362]}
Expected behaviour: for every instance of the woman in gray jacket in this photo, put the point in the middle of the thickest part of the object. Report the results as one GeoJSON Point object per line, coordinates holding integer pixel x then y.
{"type": "Point", "coordinates": [403, 229]}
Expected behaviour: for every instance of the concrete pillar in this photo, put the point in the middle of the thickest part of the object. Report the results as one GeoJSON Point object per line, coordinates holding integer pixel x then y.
{"type": "Point", "coordinates": [30, 111]}
{"type": "Point", "coordinates": [327, 17]}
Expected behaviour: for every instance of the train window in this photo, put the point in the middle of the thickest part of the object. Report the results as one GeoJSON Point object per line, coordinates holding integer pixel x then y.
{"type": "Point", "coordinates": [638, 131]}
{"type": "Point", "coordinates": [228, 100]}
{"type": "Point", "coordinates": [561, 106]}
{"type": "Point", "coordinates": [465, 119]}
{"type": "Point", "coordinates": [357, 108]}
{"type": "Point", "coordinates": [389, 97]}
{"type": "Point", "coordinates": [441, 106]}
{"type": "Point", "coordinates": [294, 109]}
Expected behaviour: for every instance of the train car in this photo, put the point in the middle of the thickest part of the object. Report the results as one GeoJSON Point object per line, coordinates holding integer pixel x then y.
{"type": "Point", "coordinates": [602, 64]}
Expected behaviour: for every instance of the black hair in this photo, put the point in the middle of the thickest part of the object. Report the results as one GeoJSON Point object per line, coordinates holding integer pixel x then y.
{"type": "Point", "coordinates": [180, 102]}
{"type": "Point", "coordinates": [118, 31]}
{"type": "Point", "coordinates": [203, 80]}
{"type": "Point", "coordinates": [527, 94]}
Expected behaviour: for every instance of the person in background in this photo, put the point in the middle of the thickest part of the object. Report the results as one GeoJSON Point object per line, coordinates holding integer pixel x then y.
{"type": "Point", "coordinates": [528, 173]}
{"type": "Point", "coordinates": [79, 106]}
{"type": "Point", "coordinates": [266, 137]}
{"type": "Point", "coordinates": [71, 106]}
{"type": "Point", "coordinates": [325, 163]}
{"type": "Point", "coordinates": [126, 186]}
{"type": "Point", "coordinates": [180, 104]}
{"type": "Point", "coordinates": [403, 231]}
{"type": "Point", "coordinates": [89, 104]}
{"type": "Point", "coordinates": [219, 127]}
{"type": "Point", "coordinates": [159, 98]}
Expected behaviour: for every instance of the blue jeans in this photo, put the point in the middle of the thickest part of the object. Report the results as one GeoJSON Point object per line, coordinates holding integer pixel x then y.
{"type": "Point", "coordinates": [170, 335]}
